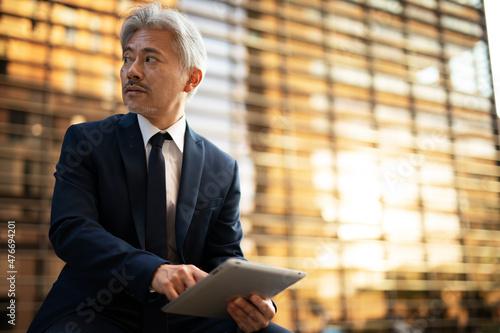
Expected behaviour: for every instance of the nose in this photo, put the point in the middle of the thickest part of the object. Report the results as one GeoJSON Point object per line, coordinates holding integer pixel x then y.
{"type": "Point", "coordinates": [135, 71]}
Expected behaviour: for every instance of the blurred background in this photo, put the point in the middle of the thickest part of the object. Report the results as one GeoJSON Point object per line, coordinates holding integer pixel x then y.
{"type": "Point", "coordinates": [365, 130]}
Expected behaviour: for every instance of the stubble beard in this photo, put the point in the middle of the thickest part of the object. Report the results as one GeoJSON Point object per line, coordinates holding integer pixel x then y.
{"type": "Point", "coordinates": [141, 110]}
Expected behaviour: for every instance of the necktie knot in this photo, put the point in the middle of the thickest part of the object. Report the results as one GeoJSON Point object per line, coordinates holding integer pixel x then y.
{"type": "Point", "coordinates": [159, 138]}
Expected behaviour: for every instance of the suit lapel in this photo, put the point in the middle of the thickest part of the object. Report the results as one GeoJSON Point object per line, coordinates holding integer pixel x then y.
{"type": "Point", "coordinates": [134, 158]}
{"type": "Point", "coordinates": [192, 167]}
{"type": "Point", "coordinates": [133, 154]}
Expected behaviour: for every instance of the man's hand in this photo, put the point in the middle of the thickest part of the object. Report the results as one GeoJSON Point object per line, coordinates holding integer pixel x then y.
{"type": "Point", "coordinates": [173, 280]}
{"type": "Point", "coordinates": [251, 316]}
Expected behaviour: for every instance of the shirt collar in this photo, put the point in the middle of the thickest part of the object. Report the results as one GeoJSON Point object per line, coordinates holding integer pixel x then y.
{"type": "Point", "coordinates": [176, 131]}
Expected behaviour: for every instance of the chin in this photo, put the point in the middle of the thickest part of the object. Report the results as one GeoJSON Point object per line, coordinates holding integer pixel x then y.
{"type": "Point", "coordinates": [142, 110]}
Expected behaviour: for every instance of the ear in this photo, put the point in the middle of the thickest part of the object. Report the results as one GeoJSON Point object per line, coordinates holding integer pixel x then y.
{"type": "Point", "coordinates": [194, 80]}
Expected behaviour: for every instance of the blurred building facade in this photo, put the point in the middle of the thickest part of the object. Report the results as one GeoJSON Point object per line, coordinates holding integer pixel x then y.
{"type": "Point", "coordinates": [365, 131]}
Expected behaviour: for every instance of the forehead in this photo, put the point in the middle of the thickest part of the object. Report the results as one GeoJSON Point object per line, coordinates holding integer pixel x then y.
{"type": "Point", "coordinates": [161, 40]}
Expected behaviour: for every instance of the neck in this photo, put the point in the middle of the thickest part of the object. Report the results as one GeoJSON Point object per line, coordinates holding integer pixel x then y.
{"type": "Point", "coordinates": [163, 123]}
{"type": "Point", "coordinates": [164, 120]}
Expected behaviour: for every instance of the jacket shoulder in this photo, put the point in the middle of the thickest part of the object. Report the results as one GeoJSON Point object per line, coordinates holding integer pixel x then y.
{"type": "Point", "coordinates": [106, 124]}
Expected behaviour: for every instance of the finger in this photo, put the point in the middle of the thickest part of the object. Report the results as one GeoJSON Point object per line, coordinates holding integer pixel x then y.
{"type": "Point", "coordinates": [178, 282]}
{"type": "Point", "coordinates": [265, 306]}
{"type": "Point", "coordinates": [240, 317]}
{"type": "Point", "coordinates": [251, 314]}
{"type": "Point", "coordinates": [181, 282]}
{"type": "Point", "coordinates": [170, 292]}
{"type": "Point", "coordinates": [184, 278]}
{"type": "Point", "coordinates": [199, 274]}
{"type": "Point", "coordinates": [195, 273]}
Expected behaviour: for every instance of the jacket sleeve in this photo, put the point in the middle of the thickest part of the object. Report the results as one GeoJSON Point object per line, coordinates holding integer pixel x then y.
{"type": "Point", "coordinates": [76, 233]}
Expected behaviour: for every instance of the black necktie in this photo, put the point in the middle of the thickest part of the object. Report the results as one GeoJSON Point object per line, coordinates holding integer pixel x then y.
{"type": "Point", "coordinates": [156, 214]}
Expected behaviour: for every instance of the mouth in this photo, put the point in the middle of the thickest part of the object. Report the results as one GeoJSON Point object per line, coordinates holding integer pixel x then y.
{"type": "Point", "coordinates": [134, 90]}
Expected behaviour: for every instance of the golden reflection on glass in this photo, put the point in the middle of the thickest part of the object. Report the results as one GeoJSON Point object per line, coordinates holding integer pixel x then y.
{"type": "Point", "coordinates": [402, 225]}
{"type": "Point", "coordinates": [363, 255]}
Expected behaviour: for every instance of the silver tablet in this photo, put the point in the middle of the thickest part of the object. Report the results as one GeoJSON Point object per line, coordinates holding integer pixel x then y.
{"type": "Point", "coordinates": [234, 278]}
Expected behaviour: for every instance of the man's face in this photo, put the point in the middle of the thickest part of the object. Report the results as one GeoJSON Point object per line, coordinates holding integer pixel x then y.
{"type": "Point", "coordinates": [152, 82]}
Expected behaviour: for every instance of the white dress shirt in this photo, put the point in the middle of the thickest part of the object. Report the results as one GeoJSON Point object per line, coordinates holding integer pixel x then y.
{"type": "Point", "coordinates": [172, 152]}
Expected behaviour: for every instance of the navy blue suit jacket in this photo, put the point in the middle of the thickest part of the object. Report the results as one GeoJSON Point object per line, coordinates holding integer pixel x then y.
{"type": "Point", "coordinates": [99, 207]}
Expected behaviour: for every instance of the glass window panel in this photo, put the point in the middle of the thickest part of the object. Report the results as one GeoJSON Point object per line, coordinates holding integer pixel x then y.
{"type": "Point", "coordinates": [387, 136]}
{"type": "Point", "coordinates": [470, 102]}
{"type": "Point", "coordinates": [352, 107]}
{"type": "Point", "coordinates": [439, 198]}
{"type": "Point", "coordinates": [353, 76]}
{"type": "Point", "coordinates": [420, 61]}
{"type": "Point", "coordinates": [460, 8]}
{"type": "Point", "coordinates": [216, 86]}
{"type": "Point", "coordinates": [423, 44]}
{"type": "Point", "coordinates": [363, 255]}
{"type": "Point", "coordinates": [365, 305]}
{"type": "Point", "coordinates": [329, 286]}
{"type": "Point", "coordinates": [398, 182]}
{"type": "Point", "coordinates": [109, 24]}
{"type": "Point", "coordinates": [15, 26]}
{"type": "Point", "coordinates": [421, 14]}
{"type": "Point", "coordinates": [319, 102]}
{"type": "Point", "coordinates": [429, 76]}
{"type": "Point", "coordinates": [418, 28]}
{"type": "Point", "coordinates": [391, 84]}
{"type": "Point", "coordinates": [389, 6]}
{"type": "Point", "coordinates": [482, 66]}
{"type": "Point", "coordinates": [435, 94]}
{"type": "Point", "coordinates": [345, 25]}
{"type": "Point", "coordinates": [355, 130]}
{"type": "Point", "coordinates": [301, 12]}
{"type": "Point", "coordinates": [439, 225]}
{"type": "Point", "coordinates": [350, 9]}
{"type": "Point", "coordinates": [475, 147]}
{"type": "Point", "coordinates": [389, 114]}
{"type": "Point", "coordinates": [426, 3]}
{"type": "Point", "coordinates": [401, 225]}
{"type": "Point", "coordinates": [26, 9]}
{"type": "Point", "coordinates": [305, 31]}
{"type": "Point", "coordinates": [388, 53]}
{"type": "Point", "coordinates": [212, 27]}
{"type": "Point", "coordinates": [306, 49]}
{"type": "Point", "coordinates": [462, 72]}
{"type": "Point", "coordinates": [387, 34]}
{"type": "Point", "coordinates": [23, 51]}
{"type": "Point", "coordinates": [462, 26]}
{"type": "Point", "coordinates": [401, 254]}
{"type": "Point", "coordinates": [443, 254]}
{"type": "Point", "coordinates": [436, 173]}
{"type": "Point", "coordinates": [304, 84]}
{"type": "Point", "coordinates": [317, 67]}
{"type": "Point", "coordinates": [357, 231]}
{"type": "Point", "coordinates": [474, 124]}
{"type": "Point", "coordinates": [436, 141]}
{"type": "Point", "coordinates": [452, 49]}
{"type": "Point", "coordinates": [346, 44]}
{"type": "Point", "coordinates": [63, 14]}
{"type": "Point", "coordinates": [349, 212]}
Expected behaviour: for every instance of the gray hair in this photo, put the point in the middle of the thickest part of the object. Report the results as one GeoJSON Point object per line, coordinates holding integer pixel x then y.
{"type": "Point", "coordinates": [188, 45]}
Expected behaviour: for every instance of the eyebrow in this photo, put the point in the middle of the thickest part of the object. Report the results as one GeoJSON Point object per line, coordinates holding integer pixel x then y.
{"type": "Point", "coordinates": [146, 50]}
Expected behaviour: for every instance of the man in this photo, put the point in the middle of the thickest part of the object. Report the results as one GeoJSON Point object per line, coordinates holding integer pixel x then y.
{"type": "Point", "coordinates": [131, 241]}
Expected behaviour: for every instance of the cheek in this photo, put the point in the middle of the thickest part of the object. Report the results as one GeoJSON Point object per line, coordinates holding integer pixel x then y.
{"type": "Point", "coordinates": [123, 76]}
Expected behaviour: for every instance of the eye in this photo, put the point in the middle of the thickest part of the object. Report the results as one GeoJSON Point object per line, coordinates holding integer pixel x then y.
{"type": "Point", "coordinates": [150, 59]}
{"type": "Point", "coordinates": [126, 59]}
